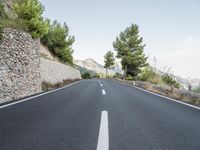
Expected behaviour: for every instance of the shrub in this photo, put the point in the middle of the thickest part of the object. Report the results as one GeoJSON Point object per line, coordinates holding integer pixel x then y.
{"type": "Point", "coordinates": [66, 55]}
{"type": "Point", "coordinates": [197, 89]}
{"type": "Point", "coordinates": [150, 75]}
{"type": "Point", "coordinates": [30, 11]}
{"type": "Point", "coordinates": [14, 23]}
{"type": "Point", "coordinates": [86, 75]}
{"type": "Point", "coordinates": [129, 77]}
{"type": "Point", "coordinates": [168, 80]}
{"type": "Point", "coordinates": [2, 10]}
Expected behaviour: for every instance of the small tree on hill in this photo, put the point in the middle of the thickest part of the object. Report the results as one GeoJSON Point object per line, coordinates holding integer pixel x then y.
{"type": "Point", "coordinates": [109, 60]}
{"type": "Point", "coordinates": [129, 48]}
{"type": "Point", "coordinates": [59, 42]}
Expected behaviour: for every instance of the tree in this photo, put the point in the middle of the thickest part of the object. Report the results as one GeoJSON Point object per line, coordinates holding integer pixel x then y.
{"type": "Point", "coordinates": [129, 49]}
{"type": "Point", "coordinates": [59, 42]}
{"type": "Point", "coordinates": [30, 11]}
{"type": "Point", "coordinates": [109, 60]}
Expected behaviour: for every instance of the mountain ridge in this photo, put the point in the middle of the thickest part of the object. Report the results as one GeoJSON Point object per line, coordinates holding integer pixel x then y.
{"type": "Point", "coordinates": [93, 65]}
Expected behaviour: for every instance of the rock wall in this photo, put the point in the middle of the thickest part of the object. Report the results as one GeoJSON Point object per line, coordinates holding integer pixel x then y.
{"type": "Point", "coordinates": [55, 72]}
{"type": "Point", "coordinates": [19, 65]}
{"type": "Point", "coordinates": [22, 70]}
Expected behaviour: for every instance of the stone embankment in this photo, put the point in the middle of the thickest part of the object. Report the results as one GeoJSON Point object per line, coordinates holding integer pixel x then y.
{"type": "Point", "coordinates": [22, 70]}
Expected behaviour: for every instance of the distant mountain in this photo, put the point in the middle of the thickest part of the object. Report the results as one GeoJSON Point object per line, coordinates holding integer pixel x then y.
{"type": "Point", "coordinates": [92, 65]}
{"type": "Point", "coordinates": [84, 70]}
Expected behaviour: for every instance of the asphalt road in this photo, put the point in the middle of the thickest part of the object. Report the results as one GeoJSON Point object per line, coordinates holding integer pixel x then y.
{"type": "Point", "coordinates": [99, 115]}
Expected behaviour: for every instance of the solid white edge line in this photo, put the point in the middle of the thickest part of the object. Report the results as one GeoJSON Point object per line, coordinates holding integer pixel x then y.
{"type": "Point", "coordinates": [103, 92]}
{"type": "Point", "coordinates": [103, 139]}
{"type": "Point", "coordinates": [177, 101]}
{"type": "Point", "coordinates": [26, 99]}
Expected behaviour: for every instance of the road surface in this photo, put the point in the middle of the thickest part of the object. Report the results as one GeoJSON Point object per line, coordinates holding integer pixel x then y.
{"type": "Point", "coordinates": [99, 115]}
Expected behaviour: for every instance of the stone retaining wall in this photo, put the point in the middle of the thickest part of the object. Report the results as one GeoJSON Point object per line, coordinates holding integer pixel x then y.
{"type": "Point", "coordinates": [19, 65]}
{"type": "Point", "coordinates": [55, 72]}
{"type": "Point", "coordinates": [22, 71]}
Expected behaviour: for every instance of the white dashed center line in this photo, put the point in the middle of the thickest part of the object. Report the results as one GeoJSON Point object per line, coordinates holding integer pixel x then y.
{"type": "Point", "coordinates": [103, 92]}
{"type": "Point", "coordinates": [103, 140]}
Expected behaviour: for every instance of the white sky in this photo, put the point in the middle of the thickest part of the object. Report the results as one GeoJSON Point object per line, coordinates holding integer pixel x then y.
{"type": "Point", "coordinates": [170, 28]}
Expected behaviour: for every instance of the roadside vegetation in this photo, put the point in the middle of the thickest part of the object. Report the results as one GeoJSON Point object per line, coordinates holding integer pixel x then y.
{"type": "Point", "coordinates": [109, 60]}
{"type": "Point", "coordinates": [129, 47]}
{"type": "Point", "coordinates": [197, 89]}
{"type": "Point", "coordinates": [28, 18]}
{"type": "Point", "coordinates": [58, 41]}
{"type": "Point", "coordinates": [151, 75]}
{"type": "Point", "coordinates": [46, 86]}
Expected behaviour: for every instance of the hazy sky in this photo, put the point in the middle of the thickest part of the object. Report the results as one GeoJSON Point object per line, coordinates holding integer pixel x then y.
{"type": "Point", "coordinates": [170, 28]}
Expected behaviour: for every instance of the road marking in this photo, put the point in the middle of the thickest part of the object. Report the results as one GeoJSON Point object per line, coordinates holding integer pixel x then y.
{"type": "Point", "coordinates": [103, 140]}
{"type": "Point", "coordinates": [174, 100]}
{"type": "Point", "coordinates": [26, 99]}
{"type": "Point", "coordinates": [103, 92]}
{"type": "Point", "coordinates": [101, 85]}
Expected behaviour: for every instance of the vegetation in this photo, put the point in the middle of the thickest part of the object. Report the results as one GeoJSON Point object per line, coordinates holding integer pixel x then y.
{"type": "Point", "coordinates": [46, 86]}
{"type": "Point", "coordinates": [59, 42]}
{"type": "Point", "coordinates": [170, 81]}
{"type": "Point", "coordinates": [149, 74]}
{"type": "Point", "coordinates": [129, 48]}
{"type": "Point", "coordinates": [117, 75]}
{"type": "Point", "coordinates": [2, 11]}
{"type": "Point", "coordinates": [86, 75]}
{"type": "Point", "coordinates": [30, 11]}
{"type": "Point", "coordinates": [29, 19]}
{"type": "Point", "coordinates": [109, 60]}
{"type": "Point", "coordinates": [129, 77]}
{"type": "Point", "coordinates": [197, 89]}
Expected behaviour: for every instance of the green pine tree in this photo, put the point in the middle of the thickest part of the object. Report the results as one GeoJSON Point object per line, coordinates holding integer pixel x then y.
{"type": "Point", "coordinates": [129, 49]}
{"type": "Point", "coordinates": [30, 11]}
{"type": "Point", "coordinates": [59, 42]}
{"type": "Point", "coordinates": [109, 60]}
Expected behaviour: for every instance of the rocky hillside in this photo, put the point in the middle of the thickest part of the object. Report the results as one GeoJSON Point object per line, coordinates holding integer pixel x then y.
{"type": "Point", "coordinates": [91, 64]}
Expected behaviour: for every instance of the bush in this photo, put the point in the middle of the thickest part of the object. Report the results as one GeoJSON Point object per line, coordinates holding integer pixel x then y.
{"type": "Point", "coordinates": [30, 11]}
{"type": "Point", "coordinates": [168, 80]}
{"type": "Point", "coordinates": [59, 42]}
{"type": "Point", "coordinates": [130, 78]}
{"type": "Point", "coordinates": [150, 75]}
{"type": "Point", "coordinates": [197, 89]}
{"type": "Point", "coordinates": [2, 10]}
{"type": "Point", "coordinates": [86, 75]}
{"type": "Point", "coordinates": [14, 23]}
{"type": "Point", "coordinates": [66, 55]}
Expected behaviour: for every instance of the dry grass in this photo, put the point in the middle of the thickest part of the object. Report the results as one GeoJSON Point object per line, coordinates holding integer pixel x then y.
{"type": "Point", "coordinates": [46, 86]}
{"type": "Point", "coordinates": [182, 95]}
